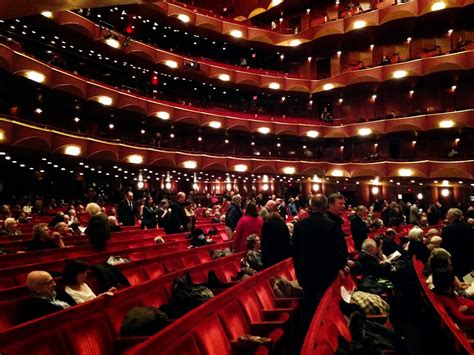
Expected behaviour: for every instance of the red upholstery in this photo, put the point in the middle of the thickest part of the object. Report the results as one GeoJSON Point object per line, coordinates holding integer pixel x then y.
{"type": "Point", "coordinates": [116, 311]}
{"type": "Point", "coordinates": [253, 309]}
{"type": "Point", "coordinates": [135, 276]}
{"type": "Point", "coordinates": [54, 346]}
{"type": "Point", "coordinates": [184, 346]}
{"type": "Point", "coordinates": [211, 337]}
{"type": "Point", "coordinates": [154, 298]}
{"type": "Point", "coordinates": [9, 311]}
{"type": "Point", "coordinates": [173, 264]}
{"type": "Point", "coordinates": [89, 335]}
{"type": "Point", "coordinates": [154, 270]}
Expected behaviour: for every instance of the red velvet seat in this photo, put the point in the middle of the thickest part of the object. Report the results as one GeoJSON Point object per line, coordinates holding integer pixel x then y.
{"type": "Point", "coordinates": [211, 337]}
{"type": "Point", "coordinates": [173, 264]}
{"type": "Point", "coordinates": [89, 335]}
{"type": "Point", "coordinates": [190, 260]}
{"type": "Point", "coordinates": [254, 313]}
{"type": "Point", "coordinates": [135, 275]}
{"type": "Point", "coordinates": [117, 309]}
{"type": "Point", "coordinates": [268, 301]}
{"type": "Point", "coordinates": [154, 270]}
{"type": "Point", "coordinates": [204, 257]}
{"type": "Point", "coordinates": [153, 298]}
{"type": "Point", "coordinates": [45, 343]}
{"type": "Point", "coordinates": [185, 345]}
{"type": "Point", "coordinates": [10, 313]}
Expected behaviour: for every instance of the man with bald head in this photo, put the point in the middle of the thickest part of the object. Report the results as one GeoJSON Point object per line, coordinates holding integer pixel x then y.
{"type": "Point", "coordinates": [43, 298]}
{"type": "Point", "coordinates": [270, 206]}
{"type": "Point", "coordinates": [319, 253]}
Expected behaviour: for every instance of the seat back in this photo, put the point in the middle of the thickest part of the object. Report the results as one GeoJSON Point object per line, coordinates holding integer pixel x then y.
{"type": "Point", "coordinates": [44, 343]}
{"type": "Point", "coordinates": [233, 321]}
{"type": "Point", "coordinates": [211, 337]}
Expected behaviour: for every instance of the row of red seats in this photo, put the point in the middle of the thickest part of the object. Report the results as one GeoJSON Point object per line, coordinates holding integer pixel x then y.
{"type": "Point", "coordinates": [137, 272]}
{"type": "Point", "coordinates": [328, 322]}
{"type": "Point", "coordinates": [459, 340]}
{"type": "Point", "coordinates": [16, 274]}
{"type": "Point", "coordinates": [93, 327]}
{"type": "Point", "coordinates": [250, 307]}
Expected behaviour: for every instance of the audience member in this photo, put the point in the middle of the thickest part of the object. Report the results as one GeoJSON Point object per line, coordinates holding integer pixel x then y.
{"type": "Point", "coordinates": [43, 239]}
{"type": "Point", "coordinates": [249, 224]}
{"type": "Point", "coordinates": [43, 298]}
{"type": "Point", "coordinates": [163, 214]}
{"type": "Point", "coordinates": [276, 240]}
{"type": "Point", "coordinates": [415, 213]}
{"type": "Point", "coordinates": [359, 228]}
{"type": "Point", "coordinates": [149, 217]}
{"type": "Point", "coordinates": [11, 227]}
{"type": "Point", "coordinates": [233, 215]}
{"type": "Point", "coordinates": [177, 222]}
{"type": "Point", "coordinates": [114, 225]}
{"type": "Point", "coordinates": [270, 206]}
{"type": "Point", "coordinates": [127, 210]}
{"type": "Point", "coordinates": [372, 261]}
{"type": "Point", "coordinates": [416, 246]}
{"type": "Point", "coordinates": [253, 257]}
{"type": "Point", "coordinates": [98, 229]}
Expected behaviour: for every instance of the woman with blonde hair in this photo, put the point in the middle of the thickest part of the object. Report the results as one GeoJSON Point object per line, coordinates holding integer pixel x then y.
{"type": "Point", "coordinates": [98, 229]}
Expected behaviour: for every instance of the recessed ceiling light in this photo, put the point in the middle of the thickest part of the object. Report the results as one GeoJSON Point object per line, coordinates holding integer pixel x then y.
{"type": "Point", "coordinates": [35, 76]}
{"type": "Point", "coordinates": [224, 77]}
{"type": "Point", "coordinates": [328, 86]}
{"type": "Point", "coordinates": [365, 131]}
{"type": "Point", "coordinates": [215, 124]}
{"type": "Point", "coordinates": [446, 124]}
{"type": "Point", "coordinates": [236, 33]}
{"type": "Point", "coordinates": [312, 134]}
{"type": "Point", "coordinates": [184, 18]}
{"type": "Point", "coordinates": [264, 130]}
{"type": "Point", "coordinates": [274, 86]}
{"type": "Point", "coordinates": [171, 64]}
{"type": "Point", "coordinates": [398, 74]}
{"type": "Point", "coordinates": [73, 150]}
{"type": "Point", "coordinates": [163, 115]}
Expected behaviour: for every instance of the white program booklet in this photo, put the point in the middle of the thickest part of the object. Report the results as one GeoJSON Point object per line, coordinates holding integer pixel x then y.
{"type": "Point", "coordinates": [82, 229]}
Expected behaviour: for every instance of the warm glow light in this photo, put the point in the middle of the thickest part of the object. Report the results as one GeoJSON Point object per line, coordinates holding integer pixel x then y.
{"type": "Point", "coordinates": [365, 131]}
{"type": "Point", "coordinates": [168, 185]}
{"type": "Point", "coordinates": [446, 124]}
{"type": "Point", "coordinates": [195, 186]}
{"type": "Point", "coordinates": [73, 150]}
{"type": "Point", "coordinates": [315, 187]}
{"type": "Point", "coordinates": [419, 196]}
{"type": "Point", "coordinates": [236, 33]}
{"type": "Point", "coordinates": [190, 164]}
{"type": "Point", "coordinates": [184, 18]}
{"type": "Point", "coordinates": [445, 183]}
{"type": "Point", "coordinates": [135, 159]}
{"type": "Point", "coordinates": [359, 24]}
{"type": "Point", "coordinates": [439, 5]}
{"type": "Point", "coordinates": [274, 86]}
{"type": "Point", "coordinates": [35, 76]}
{"type": "Point", "coordinates": [163, 115]}
{"type": "Point", "coordinates": [2, 135]}
{"type": "Point", "coordinates": [171, 64]}
{"type": "Point", "coordinates": [312, 134]}
{"type": "Point", "coordinates": [224, 77]}
{"type": "Point", "coordinates": [240, 168]}
{"type": "Point", "coordinates": [264, 130]}
{"type": "Point", "coordinates": [265, 187]}
{"type": "Point", "coordinates": [275, 3]}
{"type": "Point", "coordinates": [405, 172]}
{"type": "Point", "coordinates": [215, 124]}
{"type": "Point", "coordinates": [112, 42]}
{"type": "Point", "coordinates": [105, 100]}
{"type": "Point", "coordinates": [289, 170]}
{"type": "Point", "coordinates": [140, 185]}
{"type": "Point", "coordinates": [47, 14]}
{"type": "Point", "coordinates": [295, 42]}
{"type": "Point", "coordinates": [337, 173]}
{"type": "Point", "coordinates": [327, 87]}
{"type": "Point", "coordinates": [398, 74]}
{"type": "Point", "coordinates": [375, 190]}
{"type": "Point", "coordinates": [445, 192]}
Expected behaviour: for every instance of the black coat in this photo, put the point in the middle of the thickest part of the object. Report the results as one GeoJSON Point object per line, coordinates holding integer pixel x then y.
{"type": "Point", "coordinates": [372, 267]}
{"type": "Point", "coordinates": [177, 219]}
{"type": "Point", "coordinates": [35, 307]}
{"type": "Point", "coordinates": [359, 231]}
{"type": "Point", "coordinates": [458, 239]}
{"type": "Point", "coordinates": [98, 230]}
{"type": "Point", "coordinates": [234, 214]}
{"type": "Point", "coordinates": [149, 219]}
{"type": "Point", "coordinates": [319, 251]}
{"type": "Point", "coordinates": [276, 242]}
{"type": "Point", "coordinates": [127, 214]}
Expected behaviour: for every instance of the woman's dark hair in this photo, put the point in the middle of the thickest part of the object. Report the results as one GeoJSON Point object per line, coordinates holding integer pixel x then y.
{"type": "Point", "coordinates": [72, 269]}
{"type": "Point", "coordinates": [251, 210]}
{"type": "Point", "coordinates": [273, 215]}
{"type": "Point", "coordinates": [147, 201]}
{"type": "Point", "coordinates": [439, 261]}
{"type": "Point", "coordinates": [443, 279]}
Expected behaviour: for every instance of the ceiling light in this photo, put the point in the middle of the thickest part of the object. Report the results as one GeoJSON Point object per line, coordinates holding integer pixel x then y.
{"type": "Point", "coordinates": [47, 14]}
{"type": "Point", "coordinates": [112, 42]}
{"type": "Point", "coordinates": [236, 33]}
{"type": "Point", "coordinates": [375, 190]}
{"type": "Point", "coordinates": [240, 168]}
{"type": "Point", "coordinates": [289, 170]}
{"type": "Point", "coordinates": [359, 24]}
{"type": "Point", "coordinates": [171, 64]}
{"type": "Point", "coordinates": [264, 130]}
{"type": "Point", "coordinates": [295, 43]}
{"type": "Point", "coordinates": [398, 74]}
{"type": "Point", "coordinates": [224, 77]}
{"type": "Point", "coordinates": [190, 164]}
{"type": "Point", "coordinates": [215, 124]}
{"type": "Point", "coordinates": [365, 131]}
{"type": "Point", "coordinates": [312, 134]}
{"type": "Point", "coordinates": [445, 183]}
{"type": "Point", "coordinates": [274, 86]}
{"type": "Point", "coordinates": [73, 150]}
{"type": "Point", "coordinates": [337, 173]}
{"type": "Point", "coordinates": [35, 76]}
{"type": "Point", "coordinates": [315, 187]}
{"type": "Point", "coordinates": [446, 124]}
{"type": "Point", "coordinates": [405, 172]}
{"type": "Point", "coordinates": [2, 135]}
{"type": "Point", "coordinates": [135, 159]}
{"type": "Point", "coordinates": [38, 111]}
{"type": "Point", "coordinates": [163, 115]}
{"type": "Point", "coordinates": [105, 100]}
{"type": "Point", "coordinates": [184, 18]}
{"type": "Point", "coordinates": [445, 192]}
{"type": "Point", "coordinates": [439, 5]}
{"type": "Point", "coordinates": [327, 87]}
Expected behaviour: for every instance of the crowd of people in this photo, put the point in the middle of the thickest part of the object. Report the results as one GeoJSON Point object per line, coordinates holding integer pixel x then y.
{"type": "Point", "coordinates": [317, 233]}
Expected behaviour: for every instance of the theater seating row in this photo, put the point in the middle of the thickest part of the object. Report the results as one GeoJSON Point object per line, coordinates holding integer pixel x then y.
{"type": "Point", "coordinates": [145, 265]}
{"type": "Point", "coordinates": [93, 327]}
{"type": "Point", "coordinates": [249, 307]}
{"type": "Point", "coordinates": [457, 338]}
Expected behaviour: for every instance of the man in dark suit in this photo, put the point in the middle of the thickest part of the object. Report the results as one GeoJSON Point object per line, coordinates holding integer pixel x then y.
{"type": "Point", "coordinates": [319, 252]}
{"type": "Point", "coordinates": [43, 298]}
{"type": "Point", "coordinates": [458, 239]}
{"type": "Point", "coordinates": [359, 229]}
{"type": "Point", "coordinates": [177, 221]}
{"type": "Point", "coordinates": [127, 210]}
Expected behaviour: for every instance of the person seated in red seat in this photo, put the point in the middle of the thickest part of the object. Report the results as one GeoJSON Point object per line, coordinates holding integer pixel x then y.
{"type": "Point", "coordinates": [43, 239]}
{"type": "Point", "coordinates": [460, 308]}
{"type": "Point", "coordinates": [43, 298]}
{"type": "Point", "coordinates": [63, 230]}
{"type": "Point", "coordinates": [11, 227]}
{"type": "Point", "coordinates": [114, 225]}
{"type": "Point", "coordinates": [372, 261]}
{"type": "Point", "coordinates": [74, 277]}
